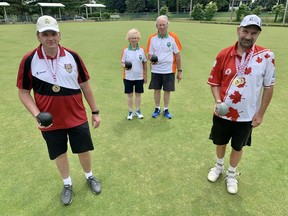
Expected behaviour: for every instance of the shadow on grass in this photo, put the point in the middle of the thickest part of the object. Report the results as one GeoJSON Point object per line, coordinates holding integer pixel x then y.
{"type": "Point", "coordinates": [149, 126]}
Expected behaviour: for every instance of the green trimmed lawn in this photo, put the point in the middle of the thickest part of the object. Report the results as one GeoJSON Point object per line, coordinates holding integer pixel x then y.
{"type": "Point", "coordinates": [148, 166]}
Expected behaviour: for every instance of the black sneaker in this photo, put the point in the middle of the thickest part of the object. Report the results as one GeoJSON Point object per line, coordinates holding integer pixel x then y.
{"type": "Point", "coordinates": [94, 185]}
{"type": "Point", "coordinates": [67, 195]}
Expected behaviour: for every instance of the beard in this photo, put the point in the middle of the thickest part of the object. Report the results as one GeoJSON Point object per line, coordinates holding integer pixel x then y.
{"type": "Point", "coordinates": [246, 44]}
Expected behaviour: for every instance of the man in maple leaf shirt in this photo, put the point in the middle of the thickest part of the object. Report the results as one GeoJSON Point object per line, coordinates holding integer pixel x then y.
{"type": "Point", "coordinates": [240, 74]}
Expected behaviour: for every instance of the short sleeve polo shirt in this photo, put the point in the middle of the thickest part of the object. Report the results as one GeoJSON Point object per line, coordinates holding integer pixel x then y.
{"type": "Point", "coordinates": [136, 57]}
{"type": "Point", "coordinates": [242, 92]}
{"type": "Point", "coordinates": [165, 49]}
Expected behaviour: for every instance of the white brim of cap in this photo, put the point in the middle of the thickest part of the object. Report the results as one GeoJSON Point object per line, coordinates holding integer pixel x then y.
{"type": "Point", "coordinates": [48, 29]}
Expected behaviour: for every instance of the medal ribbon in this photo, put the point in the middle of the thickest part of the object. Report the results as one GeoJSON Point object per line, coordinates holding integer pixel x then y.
{"type": "Point", "coordinates": [52, 67]}
{"type": "Point", "coordinates": [241, 67]}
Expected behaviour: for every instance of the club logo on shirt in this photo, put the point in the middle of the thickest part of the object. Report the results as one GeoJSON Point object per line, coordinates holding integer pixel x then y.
{"type": "Point", "coordinates": [68, 67]}
{"type": "Point", "coordinates": [168, 44]}
{"type": "Point", "coordinates": [228, 71]}
{"type": "Point", "coordinates": [140, 57]}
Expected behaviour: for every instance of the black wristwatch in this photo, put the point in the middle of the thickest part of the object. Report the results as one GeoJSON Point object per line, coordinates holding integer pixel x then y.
{"type": "Point", "coordinates": [95, 112]}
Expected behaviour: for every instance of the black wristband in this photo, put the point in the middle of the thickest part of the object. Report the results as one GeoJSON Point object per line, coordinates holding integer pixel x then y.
{"type": "Point", "coordinates": [180, 70]}
{"type": "Point", "coordinates": [95, 112]}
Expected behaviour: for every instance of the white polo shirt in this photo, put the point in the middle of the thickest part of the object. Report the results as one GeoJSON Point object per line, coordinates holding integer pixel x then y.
{"type": "Point", "coordinates": [165, 49]}
{"type": "Point", "coordinates": [136, 57]}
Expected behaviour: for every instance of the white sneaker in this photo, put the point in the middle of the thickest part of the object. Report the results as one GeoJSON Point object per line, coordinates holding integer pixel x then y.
{"type": "Point", "coordinates": [130, 116]}
{"type": "Point", "coordinates": [138, 114]}
{"type": "Point", "coordinates": [231, 182]}
{"type": "Point", "coordinates": [215, 172]}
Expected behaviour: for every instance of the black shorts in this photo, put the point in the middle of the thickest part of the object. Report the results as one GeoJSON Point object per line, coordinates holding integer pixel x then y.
{"type": "Point", "coordinates": [79, 139]}
{"type": "Point", "coordinates": [167, 81]}
{"type": "Point", "coordinates": [129, 86]}
{"type": "Point", "coordinates": [223, 130]}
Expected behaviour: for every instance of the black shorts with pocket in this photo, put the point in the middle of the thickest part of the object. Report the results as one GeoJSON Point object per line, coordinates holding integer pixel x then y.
{"type": "Point", "coordinates": [79, 138]}
{"type": "Point", "coordinates": [223, 130]}
{"type": "Point", "coordinates": [165, 81]}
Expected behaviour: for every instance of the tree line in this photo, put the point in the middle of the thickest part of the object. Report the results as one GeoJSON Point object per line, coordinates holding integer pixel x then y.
{"type": "Point", "coordinates": [202, 9]}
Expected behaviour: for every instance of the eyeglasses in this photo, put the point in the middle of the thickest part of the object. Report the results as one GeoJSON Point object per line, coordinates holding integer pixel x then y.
{"type": "Point", "coordinates": [162, 25]}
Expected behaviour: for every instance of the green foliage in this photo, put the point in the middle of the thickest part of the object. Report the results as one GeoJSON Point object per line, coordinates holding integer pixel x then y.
{"type": "Point", "coordinates": [221, 4]}
{"type": "Point", "coordinates": [242, 11]}
{"type": "Point", "coordinates": [134, 6]}
{"type": "Point", "coordinates": [258, 10]}
{"type": "Point", "coordinates": [279, 11]}
{"type": "Point", "coordinates": [118, 6]}
{"type": "Point", "coordinates": [197, 12]}
{"type": "Point", "coordinates": [210, 10]}
{"type": "Point", "coordinates": [105, 15]}
{"type": "Point", "coordinates": [265, 4]}
{"type": "Point", "coordinates": [35, 17]}
{"type": "Point", "coordinates": [96, 14]}
{"type": "Point", "coordinates": [164, 10]}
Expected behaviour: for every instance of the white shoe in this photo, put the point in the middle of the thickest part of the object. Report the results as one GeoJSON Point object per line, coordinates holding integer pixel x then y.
{"type": "Point", "coordinates": [130, 116]}
{"type": "Point", "coordinates": [231, 182]}
{"type": "Point", "coordinates": [215, 172]}
{"type": "Point", "coordinates": [138, 114]}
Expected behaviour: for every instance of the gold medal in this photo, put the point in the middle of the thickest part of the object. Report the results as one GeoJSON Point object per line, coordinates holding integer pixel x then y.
{"type": "Point", "coordinates": [237, 81]}
{"type": "Point", "coordinates": [56, 88]}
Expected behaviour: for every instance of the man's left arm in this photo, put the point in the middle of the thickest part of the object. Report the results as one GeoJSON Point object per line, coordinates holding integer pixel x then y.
{"type": "Point", "coordinates": [265, 101]}
{"type": "Point", "coordinates": [179, 67]}
{"type": "Point", "coordinates": [88, 94]}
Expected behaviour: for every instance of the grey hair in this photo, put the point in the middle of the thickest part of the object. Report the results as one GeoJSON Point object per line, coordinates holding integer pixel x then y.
{"type": "Point", "coordinates": [162, 17]}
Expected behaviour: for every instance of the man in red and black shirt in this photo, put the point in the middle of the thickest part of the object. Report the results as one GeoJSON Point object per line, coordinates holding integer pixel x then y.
{"type": "Point", "coordinates": [58, 78]}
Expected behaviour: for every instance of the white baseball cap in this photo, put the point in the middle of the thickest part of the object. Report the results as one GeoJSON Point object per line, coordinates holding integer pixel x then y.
{"type": "Point", "coordinates": [45, 23]}
{"type": "Point", "coordinates": [251, 20]}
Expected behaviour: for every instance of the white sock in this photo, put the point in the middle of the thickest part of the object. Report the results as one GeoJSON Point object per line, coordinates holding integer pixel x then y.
{"type": "Point", "coordinates": [220, 161]}
{"type": "Point", "coordinates": [165, 108]}
{"type": "Point", "coordinates": [87, 175]}
{"type": "Point", "coordinates": [158, 107]}
{"type": "Point", "coordinates": [67, 181]}
{"type": "Point", "coordinates": [232, 169]}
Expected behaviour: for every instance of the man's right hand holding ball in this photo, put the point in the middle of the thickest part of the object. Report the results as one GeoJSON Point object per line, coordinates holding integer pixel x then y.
{"type": "Point", "coordinates": [44, 119]}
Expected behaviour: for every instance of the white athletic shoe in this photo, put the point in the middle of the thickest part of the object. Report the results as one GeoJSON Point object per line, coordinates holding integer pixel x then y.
{"type": "Point", "coordinates": [215, 172]}
{"type": "Point", "coordinates": [231, 182]}
{"type": "Point", "coordinates": [138, 114]}
{"type": "Point", "coordinates": [130, 116]}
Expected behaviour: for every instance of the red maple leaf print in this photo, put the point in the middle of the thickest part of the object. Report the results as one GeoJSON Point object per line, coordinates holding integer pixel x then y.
{"type": "Point", "coordinates": [259, 60]}
{"type": "Point", "coordinates": [273, 61]}
{"type": "Point", "coordinates": [236, 97]}
{"type": "Point", "coordinates": [267, 56]}
{"type": "Point", "coordinates": [233, 114]}
{"type": "Point", "coordinates": [248, 71]}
